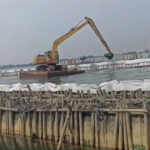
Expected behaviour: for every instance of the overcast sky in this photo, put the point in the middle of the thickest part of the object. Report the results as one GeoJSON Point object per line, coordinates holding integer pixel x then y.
{"type": "Point", "coordinates": [29, 27]}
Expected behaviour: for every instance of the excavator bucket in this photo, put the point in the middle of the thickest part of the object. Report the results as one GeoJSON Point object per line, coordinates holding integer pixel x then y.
{"type": "Point", "coordinates": [109, 55]}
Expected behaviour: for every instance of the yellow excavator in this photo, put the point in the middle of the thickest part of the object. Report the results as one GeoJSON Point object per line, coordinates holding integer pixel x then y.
{"type": "Point", "coordinates": [51, 58]}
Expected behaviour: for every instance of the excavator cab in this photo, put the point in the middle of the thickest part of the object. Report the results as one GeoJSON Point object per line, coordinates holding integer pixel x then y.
{"type": "Point", "coordinates": [109, 56]}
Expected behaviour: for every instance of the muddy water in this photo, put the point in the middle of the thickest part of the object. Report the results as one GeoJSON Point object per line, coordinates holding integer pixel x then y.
{"type": "Point", "coordinates": [20, 143]}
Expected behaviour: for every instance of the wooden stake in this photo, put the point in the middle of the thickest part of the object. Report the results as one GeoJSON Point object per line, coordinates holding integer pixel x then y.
{"type": "Point", "coordinates": [120, 139]}
{"type": "Point", "coordinates": [146, 129]}
{"type": "Point", "coordinates": [81, 128]}
{"type": "Point", "coordinates": [93, 128]}
{"type": "Point", "coordinates": [76, 128]}
{"type": "Point", "coordinates": [129, 134]}
{"type": "Point", "coordinates": [35, 122]}
{"type": "Point", "coordinates": [116, 130]}
{"type": "Point", "coordinates": [30, 123]}
{"type": "Point", "coordinates": [7, 118]}
{"type": "Point", "coordinates": [11, 123]}
{"type": "Point", "coordinates": [125, 132]}
{"type": "Point", "coordinates": [71, 128]}
{"type": "Point", "coordinates": [63, 130]}
{"type": "Point", "coordinates": [61, 122]}
{"type": "Point", "coordinates": [44, 126]}
{"type": "Point", "coordinates": [96, 131]}
{"type": "Point", "coordinates": [56, 128]}
{"type": "Point", "coordinates": [40, 126]}
{"type": "Point", "coordinates": [23, 123]}
{"type": "Point", "coordinates": [10, 119]}
{"type": "Point", "coordinates": [51, 127]}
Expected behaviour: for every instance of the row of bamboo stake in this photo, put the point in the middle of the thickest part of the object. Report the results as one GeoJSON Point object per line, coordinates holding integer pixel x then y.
{"type": "Point", "coordinates": [37, 124]}
{"type": "Point", "coordinates": [122, 130]}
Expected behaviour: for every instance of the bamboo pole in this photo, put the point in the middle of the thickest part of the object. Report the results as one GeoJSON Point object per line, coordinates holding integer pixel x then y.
{"type": "Point", "coordinates": [10, 119]}
{"type": "Point", "coordinates": [8, 109]}
{"type": "Point", "coordinates": [131, 94]}
{"type": "Point", "coordinates": [120, 139]}
{"type": "Point", "coordinates": [23, 124]}
{"type": "Point", "coordinates": [7, 118]}
{"type": "Point", "coordinates": [146, 131]}
{"type": "Point", "coordinates": [146, 128]}
{"type": "Point", "coordinates": [51, 127]}
{"type": "Point", "coordinates": [76, 128]}
{"type": "Point", "coordinates": [61, 122]}
{"type": "Point", "coordinates": [112, 111]}
{"type": "Point", "coordinates": [116, 131]}
{"type": "Point", "coordinates": [56, 130]}
{"type": "Point", "coordinates": [97, 144]}
{"type": "Point", "coordinates": [35, 122]}
{"type": "Point", "coordinates": [40, 126]}
{"type": "Point", "coordinates": [71, 128]}
{"type": "Point", "coordinates": [81, 128]}
{"type": "Point", "coordinates": [125, 132]}
{"type": "Point", "coordinates": [12, 122]}
{"type": "Point", "coordinates": [30, 123]}
{"type": "Point", "coordinates": [93, 129]}
{"type": "Point", "coordinates": [63, 130]}
{"type": "Point", "coordinates": [129, 133]}
{"type": "Point", "coordinates": [44, 126]}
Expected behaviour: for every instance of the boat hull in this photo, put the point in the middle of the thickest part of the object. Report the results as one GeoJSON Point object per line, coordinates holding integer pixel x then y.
{"type": "Point", "coordinates": [46, 74]}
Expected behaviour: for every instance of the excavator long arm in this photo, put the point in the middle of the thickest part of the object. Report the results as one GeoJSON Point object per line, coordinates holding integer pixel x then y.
{"type": "Point", "coordinates": [57, 42]}
{"type": "Point", "coordinates": [95, 29]}
{"type": "Point", "coordinates": [89, 21]}
{"type": "Point", "coordinates": [54, 57]}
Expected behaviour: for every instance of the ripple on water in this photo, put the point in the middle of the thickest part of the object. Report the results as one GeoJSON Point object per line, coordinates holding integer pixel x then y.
{"type": "Point", "coordinates": [88, 77]}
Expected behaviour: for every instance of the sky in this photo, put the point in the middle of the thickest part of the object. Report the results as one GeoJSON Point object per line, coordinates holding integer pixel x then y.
{"type": "Point", "coordinates": [29, 27]}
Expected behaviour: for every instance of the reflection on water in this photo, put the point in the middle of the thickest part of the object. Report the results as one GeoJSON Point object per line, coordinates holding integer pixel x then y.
{"type": "Point", "coordinates": [89, 77]}
{"type": "Point", "coordinates": [20, 143]}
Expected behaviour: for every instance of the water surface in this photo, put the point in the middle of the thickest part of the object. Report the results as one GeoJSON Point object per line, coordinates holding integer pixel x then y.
{"type": "Point", "coordinates": [96, 77]}
{"type": "Point", "coordinates": [20, 143]}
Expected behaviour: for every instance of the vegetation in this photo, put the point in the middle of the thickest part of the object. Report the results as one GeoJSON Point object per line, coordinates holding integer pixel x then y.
{"type": "Point", "coordinates": [139, 147]}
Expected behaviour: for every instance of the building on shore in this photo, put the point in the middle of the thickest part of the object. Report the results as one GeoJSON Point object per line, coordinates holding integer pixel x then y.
{"type": "Point", "coordinates": [96, 59]}
{"type": "Point", "coordinates": [144, 54]}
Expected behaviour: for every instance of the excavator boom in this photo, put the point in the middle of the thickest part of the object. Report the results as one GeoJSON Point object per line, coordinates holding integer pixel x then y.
{"type": "Point", "coordinates": [53, 58]}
